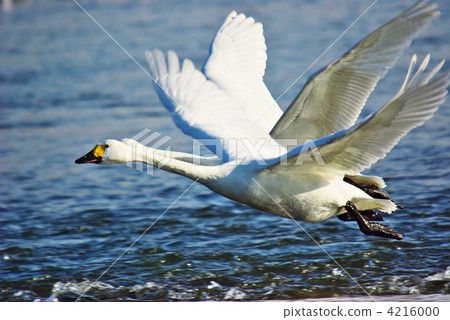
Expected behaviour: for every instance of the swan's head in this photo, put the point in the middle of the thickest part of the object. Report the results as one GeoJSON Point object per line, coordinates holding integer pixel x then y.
{"type": "Point", "coordinates": [109, 152]}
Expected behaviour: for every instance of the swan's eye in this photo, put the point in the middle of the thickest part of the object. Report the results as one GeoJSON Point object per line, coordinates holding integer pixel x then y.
{"type": "Point", "coordinates": [106, 145]}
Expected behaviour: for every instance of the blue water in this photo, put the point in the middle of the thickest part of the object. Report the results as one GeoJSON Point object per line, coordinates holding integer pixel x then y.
{"type": "Point", "coordinates": [65, 86]}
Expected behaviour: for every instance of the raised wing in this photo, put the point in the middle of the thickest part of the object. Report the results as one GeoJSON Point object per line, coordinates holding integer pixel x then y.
{"type": "Point", "coordinates": [352, 150]}
{"type": "Point", "coordinates": [204, 111]}
{"type": "Point", "coordinates": [237, 63]}
{"type": "Point", "coordinates": [332, 99]}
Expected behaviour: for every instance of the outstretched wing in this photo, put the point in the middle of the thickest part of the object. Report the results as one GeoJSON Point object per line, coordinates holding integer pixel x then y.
{"type": "Point", "coordinates": [203, 110]}
{"type": "Point", "coordinates": [333, 98]}
{"type": "Point", "coordinates": [237, 62]}
{"type": "Point", "coordinates": [352, 150]}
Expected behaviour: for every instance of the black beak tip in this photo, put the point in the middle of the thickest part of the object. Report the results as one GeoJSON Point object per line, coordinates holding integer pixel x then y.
{"type": "Point", "coordinates": [88, 158]}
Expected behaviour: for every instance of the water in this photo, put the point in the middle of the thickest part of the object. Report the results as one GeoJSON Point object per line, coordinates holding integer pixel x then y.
{"type": "Point", "coordinates": [65, 86]}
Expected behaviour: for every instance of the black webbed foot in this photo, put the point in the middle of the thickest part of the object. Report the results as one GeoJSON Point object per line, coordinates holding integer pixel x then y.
{"type": "Point", "coordinates": [371, 228]}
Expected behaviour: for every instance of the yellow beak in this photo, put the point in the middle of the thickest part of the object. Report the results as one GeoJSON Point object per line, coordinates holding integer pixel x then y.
{"type": "Point", "coordinates": [93, 156]}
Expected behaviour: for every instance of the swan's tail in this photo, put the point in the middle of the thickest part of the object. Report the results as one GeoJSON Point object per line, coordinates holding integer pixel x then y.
{"type": "Point", "coordinates": [383, 205]}
{"type": "Point", "coordinates": [370, 180]}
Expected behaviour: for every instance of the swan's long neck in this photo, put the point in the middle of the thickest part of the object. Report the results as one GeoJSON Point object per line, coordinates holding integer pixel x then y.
{"type": "Point", "coordinates": [190, 166]}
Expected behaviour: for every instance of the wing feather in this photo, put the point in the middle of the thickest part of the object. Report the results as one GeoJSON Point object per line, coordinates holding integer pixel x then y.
{"type": "Point", "coordinates": [237, 63]}
{"type": "Point", "coordinates": [333, 98]}
{"type": "Point", "coordinates": [353, 150]}
{"type": "Point", "coordinates": [204, 111]}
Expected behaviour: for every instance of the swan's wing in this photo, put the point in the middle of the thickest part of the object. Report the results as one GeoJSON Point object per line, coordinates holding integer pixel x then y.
{"type": "Point", "coordinates": [333, 98]}
{"type": "Point", "coordinates": [352, 150]}
{"type": "Point", "coordinates": [237, 62]}
{"type": "Point", "coordinates": [204, 111]}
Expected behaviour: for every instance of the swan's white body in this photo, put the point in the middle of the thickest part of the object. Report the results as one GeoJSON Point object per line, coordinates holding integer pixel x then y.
{"type": "Point", "coordinates": [305, 197]}
{"type": "Point", "coordinates": [290, 164]}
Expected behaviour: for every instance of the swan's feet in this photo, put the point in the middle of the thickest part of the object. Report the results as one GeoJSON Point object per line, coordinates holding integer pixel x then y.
{"type": "Point", "coordinates": [369, 215]}
{"type": "Point", "coordinates": [371, 228]}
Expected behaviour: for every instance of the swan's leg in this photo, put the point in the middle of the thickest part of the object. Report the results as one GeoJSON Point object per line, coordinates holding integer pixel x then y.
{"type": "Point", "coordinates": [371, 228]}
{"type": "Point", "coordinates": [378, 193]}
{"type": "Point", "coordinates": [346, 217]}
{"type": "Point", "coordinates": [369, 215]}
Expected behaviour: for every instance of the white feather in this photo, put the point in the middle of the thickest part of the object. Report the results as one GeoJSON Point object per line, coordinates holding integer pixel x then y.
{"type": "Point", "coordinates": [237, 63]}
{"type": "Point", "coordinates": [206, 112]}
{"type": "Point", "coordinates": [355, 149]}
{"type": "Point", "coordinates": [341, 89]}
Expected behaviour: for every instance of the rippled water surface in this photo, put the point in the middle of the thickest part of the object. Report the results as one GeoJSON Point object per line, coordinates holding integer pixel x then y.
{"type": "Point", "coordinates": [65, 86]}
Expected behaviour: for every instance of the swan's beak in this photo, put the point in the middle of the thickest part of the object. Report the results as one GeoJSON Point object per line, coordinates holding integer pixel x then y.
{"type": "Point", "coordinates": [93, 156]}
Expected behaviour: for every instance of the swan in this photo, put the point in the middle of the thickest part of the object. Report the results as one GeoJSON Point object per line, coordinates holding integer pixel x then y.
{"type": "Point", "coordinates": [306, 163]}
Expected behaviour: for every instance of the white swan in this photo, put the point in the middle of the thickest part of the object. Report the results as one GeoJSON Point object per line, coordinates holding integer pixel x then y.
{"type": "Point", "coordinates": [304, 163]}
